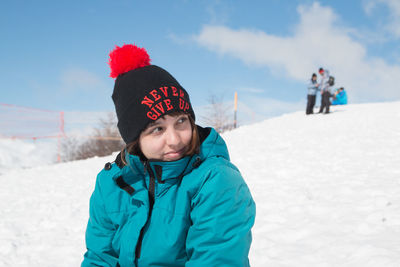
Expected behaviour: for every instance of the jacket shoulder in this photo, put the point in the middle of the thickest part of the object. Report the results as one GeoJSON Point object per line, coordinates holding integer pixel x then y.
{"type": "Point", "coordinates": [220, 172]}
{"type": "Point", "coordinates": [218, 165]}
{"type": "Point", "coordinates": [112, 167]}
{"type": "Point", "coordinates": [105, 178]}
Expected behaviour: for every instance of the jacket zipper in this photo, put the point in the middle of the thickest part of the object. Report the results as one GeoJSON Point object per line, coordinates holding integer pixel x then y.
{"type": "Point", "coordinates": [151, 204]}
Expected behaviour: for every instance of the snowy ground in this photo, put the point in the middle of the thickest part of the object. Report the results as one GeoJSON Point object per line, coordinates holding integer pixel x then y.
{"type": "Point", "coordinates": [327, 189]}
{"type": "Point", "coordinates": [25, 154]}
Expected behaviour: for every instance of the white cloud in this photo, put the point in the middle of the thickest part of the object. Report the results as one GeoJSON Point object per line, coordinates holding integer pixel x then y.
{"type": "Point", "coordinates": [393, 7]}
{"type": "Point", "coordinates": [318, 40]}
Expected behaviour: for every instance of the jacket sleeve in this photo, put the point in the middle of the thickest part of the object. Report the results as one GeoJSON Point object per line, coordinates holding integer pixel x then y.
{"type": "Point", "coordinates": [99, 233]}
{"type": "Point", "coordinates": [312, 88]}
{"type": "Point", "coordinates": [222, 215]}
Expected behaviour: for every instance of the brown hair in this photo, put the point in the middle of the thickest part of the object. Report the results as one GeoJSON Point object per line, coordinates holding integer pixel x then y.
{"type": "Point", "coordinates": [133, 148]}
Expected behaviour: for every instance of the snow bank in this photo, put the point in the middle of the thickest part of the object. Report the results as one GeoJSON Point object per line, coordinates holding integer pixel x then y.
{"type": "Point", "coordinates": [25, 154]}
{"type": "Point", "coordinates": [327, 189]}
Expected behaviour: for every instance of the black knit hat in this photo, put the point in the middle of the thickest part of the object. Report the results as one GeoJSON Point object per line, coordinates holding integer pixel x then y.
{"type": "Point", "coordinates": [143, 92]}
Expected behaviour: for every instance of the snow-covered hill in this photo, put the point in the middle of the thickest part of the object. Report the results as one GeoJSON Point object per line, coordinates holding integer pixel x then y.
{"type": "Point", "coordinates": [327, 189]}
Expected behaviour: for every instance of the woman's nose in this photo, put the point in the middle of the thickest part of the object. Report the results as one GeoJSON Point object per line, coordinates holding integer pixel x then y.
{"type": "Point", "coordinates": [172, 137]}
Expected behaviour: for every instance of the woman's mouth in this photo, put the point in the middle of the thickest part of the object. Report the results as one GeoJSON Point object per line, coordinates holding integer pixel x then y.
{"type": "Point", "coordinates": [175, 154]}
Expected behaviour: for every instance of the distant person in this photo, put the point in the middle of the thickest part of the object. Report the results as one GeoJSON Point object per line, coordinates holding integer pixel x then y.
{"type": "Point", "coordinates": [340, 97]}
{"type": "Point", "coordinates": [312, 94]}
{"type": "Point", "coordinates": [172, 197]}
{"type": "Point", "coordinates": [325, 87]}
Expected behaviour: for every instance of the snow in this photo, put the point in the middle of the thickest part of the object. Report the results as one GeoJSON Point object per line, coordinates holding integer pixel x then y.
{"type": "Point", "coordinates": [24, 154]}
{"type": "Point", "coordinates": [327, 189]}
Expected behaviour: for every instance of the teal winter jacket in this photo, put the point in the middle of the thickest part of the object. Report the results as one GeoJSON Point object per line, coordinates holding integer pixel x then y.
{"type": "Point", "coordinates": [196, 211]}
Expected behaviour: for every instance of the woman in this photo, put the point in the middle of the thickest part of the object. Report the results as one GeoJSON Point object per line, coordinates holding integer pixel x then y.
{"type": "Point", "coordinates": [172, 197]}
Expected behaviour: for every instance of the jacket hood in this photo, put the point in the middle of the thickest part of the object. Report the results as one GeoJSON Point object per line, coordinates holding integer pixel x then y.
{"type": "Point", "coordinates": [212, 144]}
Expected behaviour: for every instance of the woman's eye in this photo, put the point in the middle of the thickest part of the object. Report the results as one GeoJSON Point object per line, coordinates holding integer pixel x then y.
{"type": "Point", "coordinates": [182, 120]}
{"type": "Point", "coordinates": [156, 130]}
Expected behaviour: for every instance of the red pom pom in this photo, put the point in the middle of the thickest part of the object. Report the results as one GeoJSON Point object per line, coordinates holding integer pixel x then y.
{"type": "Point", "coordinates": [126, 58]}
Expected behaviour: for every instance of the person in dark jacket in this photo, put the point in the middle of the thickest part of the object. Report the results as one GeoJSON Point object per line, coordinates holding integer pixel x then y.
{"type": "Point", "coordinates": [172, 197]}
{"type": "Point", "coordinates": [312, 93]}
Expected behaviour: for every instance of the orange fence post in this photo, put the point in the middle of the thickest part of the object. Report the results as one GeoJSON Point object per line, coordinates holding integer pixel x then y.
{"type": "Point", "coordinates": [235, 111]}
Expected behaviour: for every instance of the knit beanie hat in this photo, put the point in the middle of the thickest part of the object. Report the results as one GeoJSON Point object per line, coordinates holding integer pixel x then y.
{"type": "Point", "coordinates": [142, 92]}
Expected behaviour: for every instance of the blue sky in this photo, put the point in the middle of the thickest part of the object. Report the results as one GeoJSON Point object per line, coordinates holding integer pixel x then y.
{"type": "Point", "coordinates": [54, 53]}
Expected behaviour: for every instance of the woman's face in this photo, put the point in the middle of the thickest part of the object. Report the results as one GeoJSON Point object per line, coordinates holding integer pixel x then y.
{"type": "Point", "coordinates": [166, 139]}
